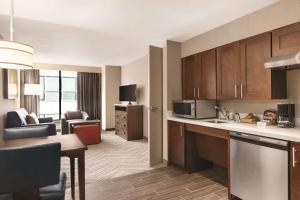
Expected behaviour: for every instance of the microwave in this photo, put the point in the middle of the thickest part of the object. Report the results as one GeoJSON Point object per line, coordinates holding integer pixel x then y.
{"type": "Point", "coordinates": [195, 109]}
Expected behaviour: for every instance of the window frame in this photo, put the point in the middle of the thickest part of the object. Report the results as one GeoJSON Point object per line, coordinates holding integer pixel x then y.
{"type": "Point", "coordinates": [60, 92]}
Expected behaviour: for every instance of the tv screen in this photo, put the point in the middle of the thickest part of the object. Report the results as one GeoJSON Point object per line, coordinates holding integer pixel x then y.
{"type": "Point", "coordinates": [127, 93]}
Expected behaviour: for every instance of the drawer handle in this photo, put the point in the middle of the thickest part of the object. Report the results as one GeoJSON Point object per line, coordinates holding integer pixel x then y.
{"type": "Point", "coordinates": [293, 155]}
{"type": "Point", "coordinates": [235, 90]}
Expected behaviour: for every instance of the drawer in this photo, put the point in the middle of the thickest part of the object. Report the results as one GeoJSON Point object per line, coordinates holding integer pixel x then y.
{"type": "Point", "coordinates": [214, 132]}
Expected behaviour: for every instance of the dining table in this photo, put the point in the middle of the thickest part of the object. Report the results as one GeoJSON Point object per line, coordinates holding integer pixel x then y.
{"type": "Point", "coordinates": [71, 146]}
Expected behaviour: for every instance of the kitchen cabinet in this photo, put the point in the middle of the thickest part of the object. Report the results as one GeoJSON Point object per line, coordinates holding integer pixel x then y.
{"type": "Point", "coordinates": [199, 76]}
{"type": "Point", "coordinates": [208, 75]}
{"type": "Point", "coordinates": [228, 71]}
{"type": "Point", "coordinates": [256, 81]}
{"type": "Point", "coordinates": [295, 170]}
{"type": "Point", "coordinates": [286, 40]}
{"type": "Point", "coordinates": [176, 141]}
{"type": "Point", "coordinates": [191, 70]}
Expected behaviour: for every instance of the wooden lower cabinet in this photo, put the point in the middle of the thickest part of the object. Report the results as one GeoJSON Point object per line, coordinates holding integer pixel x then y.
{"type": "Point", "coordinates": [295, 171]}
{"type": "Point", "coordinates": [176, 143]}
{"type": "Point", "coordinates": [129, 121]}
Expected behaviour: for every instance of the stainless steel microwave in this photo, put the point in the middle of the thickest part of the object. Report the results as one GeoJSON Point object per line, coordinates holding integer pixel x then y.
{"type": "Point", "coordinates": [194, 109]}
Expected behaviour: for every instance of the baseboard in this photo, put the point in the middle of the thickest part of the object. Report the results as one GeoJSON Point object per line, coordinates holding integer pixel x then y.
{"type": "Point", "coordinates": [109, 129]}
{"type": "Point", "coordinates": [145, 138]}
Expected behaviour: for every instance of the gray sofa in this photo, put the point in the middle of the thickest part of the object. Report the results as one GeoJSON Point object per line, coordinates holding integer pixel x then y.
{"type": "Point", "coordinates": [17, 118]}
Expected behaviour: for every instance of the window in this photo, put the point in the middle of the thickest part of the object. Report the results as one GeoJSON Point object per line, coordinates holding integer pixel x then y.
{"type": "Point", "coordinates": [54, 83]}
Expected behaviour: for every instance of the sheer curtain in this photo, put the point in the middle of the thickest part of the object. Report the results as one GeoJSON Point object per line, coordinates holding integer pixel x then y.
{"type": "Point", "coordinates": [89, 93]}
{"type": "Point", "coordinates": [30, 103]}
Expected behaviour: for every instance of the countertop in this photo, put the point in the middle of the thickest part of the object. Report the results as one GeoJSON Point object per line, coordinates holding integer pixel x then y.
{"type": "Point", "coordinates": [288, 134]}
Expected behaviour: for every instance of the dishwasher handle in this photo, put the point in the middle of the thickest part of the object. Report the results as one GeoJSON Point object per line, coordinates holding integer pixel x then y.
{"type": "Point", "coordinates": [259, 139]}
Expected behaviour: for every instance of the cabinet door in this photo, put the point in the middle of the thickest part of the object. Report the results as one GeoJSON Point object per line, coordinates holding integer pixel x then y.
{"type": "Point", "coordinates": [295, 171]}
{"type": "Point", "coordinates": [228, 71]}
{"type": "Point", "coordinates": [256, 80]}
{"type": "Point", "coordinates": [188, 90]}
{"type": "Point", "coordinates": [286, 40]}
{"type": "Point", "coordinates": [208, 75]}
{"type": "Point", "coordinates": [176, 143]}
{"type": "Point", "coordinates": [197, 76]}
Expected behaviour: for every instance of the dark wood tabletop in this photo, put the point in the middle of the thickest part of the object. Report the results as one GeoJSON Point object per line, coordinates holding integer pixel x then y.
{"type": "Point", "coordinates": [69, 142]}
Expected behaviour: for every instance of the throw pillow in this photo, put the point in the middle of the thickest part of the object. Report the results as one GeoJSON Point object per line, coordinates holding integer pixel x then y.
{"type": "Point", "coordinates": [32, 119]}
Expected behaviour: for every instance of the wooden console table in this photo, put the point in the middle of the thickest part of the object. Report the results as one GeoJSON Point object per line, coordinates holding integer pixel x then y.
{"type": "Point", "coordinates": [129, 121]}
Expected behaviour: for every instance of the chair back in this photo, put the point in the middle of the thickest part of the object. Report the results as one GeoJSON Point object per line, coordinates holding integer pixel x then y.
{"type": "Point", "coordinates": [26, 132]}
{"type": "Point", "coordinates": [16, 118]}
{"type": "Point", "coordinates": [69, 115]}
{"type": "Point", "coordinates": [28, 168]}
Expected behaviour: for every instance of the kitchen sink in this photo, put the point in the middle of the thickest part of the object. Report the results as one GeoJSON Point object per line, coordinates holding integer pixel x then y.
{"type": "Point", "coordinates": [216, 121]}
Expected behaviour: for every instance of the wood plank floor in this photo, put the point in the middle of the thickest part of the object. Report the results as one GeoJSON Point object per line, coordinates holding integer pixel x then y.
{"type": "Point", "coordinates": [163, 183]}
{"type": "Point", "coordinates": [113, 157]}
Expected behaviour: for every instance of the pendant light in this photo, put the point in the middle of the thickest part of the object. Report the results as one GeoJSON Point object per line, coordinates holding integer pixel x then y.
{"type": "Point", "coordinates": [15, 55]}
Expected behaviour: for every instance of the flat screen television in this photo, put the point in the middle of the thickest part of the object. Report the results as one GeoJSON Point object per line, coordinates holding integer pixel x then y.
{"type": "Point", "coordinates": [127, 93]}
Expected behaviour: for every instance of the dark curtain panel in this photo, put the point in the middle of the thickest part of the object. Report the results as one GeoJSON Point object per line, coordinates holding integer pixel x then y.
{"type": "Point", "coordinates": [30, 103]}
{"type": "Point", "coordinates": [89, 93]}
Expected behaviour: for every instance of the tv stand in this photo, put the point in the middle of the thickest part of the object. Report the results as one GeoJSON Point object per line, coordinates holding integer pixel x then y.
{"type": "Point", "coordinates": [129, 121]}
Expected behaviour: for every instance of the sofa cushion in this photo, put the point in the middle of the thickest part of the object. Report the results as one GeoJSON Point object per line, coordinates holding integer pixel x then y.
{"type": "Point", "coordinates": [26, 132]}
{"type": "Point", "coordinates": [32, 119]}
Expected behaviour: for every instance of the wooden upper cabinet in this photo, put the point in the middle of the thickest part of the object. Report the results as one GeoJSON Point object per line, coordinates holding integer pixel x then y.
{"type": "Point", "coordinates": [256, 81]}
{"type": "Point", "coordinates": [295, 171]}
{"type": "Point", "coordinates": [187, 74]}
{"type": "Point", "coordinates": [286, 40]}
{"type": "Point", "coordinates": [191, 77]}
{"type": "Point", "coordinates": [228, 71]}
{"type": "Point", "coordinates": [199, 76]}
{"type": "Point", "coordinates": [209, 82]}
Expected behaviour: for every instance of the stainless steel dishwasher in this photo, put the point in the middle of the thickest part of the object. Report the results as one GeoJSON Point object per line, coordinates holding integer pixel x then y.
{"type": "Point", "coordinates": [258, 167]}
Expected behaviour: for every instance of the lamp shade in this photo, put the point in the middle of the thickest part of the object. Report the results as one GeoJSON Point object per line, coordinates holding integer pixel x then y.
{"type": "Point", "coordinates": [15, 55]}
{"type": "Point", "coordinates": [32, 89]}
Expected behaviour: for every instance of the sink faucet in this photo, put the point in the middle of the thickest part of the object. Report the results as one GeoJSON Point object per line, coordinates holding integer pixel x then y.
{"type": "Point", "coordinates": [224, 111]}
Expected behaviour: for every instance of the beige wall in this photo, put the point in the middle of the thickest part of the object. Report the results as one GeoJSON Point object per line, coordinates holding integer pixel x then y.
{"type": "Point", "coordinates": [136, 72]}
{"type": "Point", "coordinates": [111, 80]}
{"type": "Point", "coordinates": [171, 85]}
{"type": "Point", "coordinates": [277, 15]}
{"type": "Point", "coordinates": [63, 67]}
{"type": "Point", "coordinates": [5, 104]}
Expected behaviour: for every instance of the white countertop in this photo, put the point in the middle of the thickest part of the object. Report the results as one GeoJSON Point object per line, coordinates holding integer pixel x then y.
{"type": "Point", "coordinates": [289, 134]}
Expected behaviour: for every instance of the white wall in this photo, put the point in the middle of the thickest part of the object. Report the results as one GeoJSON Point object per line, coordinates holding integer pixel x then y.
{"type": "Point", "coordinates": [171, 84]}
{"type": "Point", "coordinates": [63, 67]}
{"type": "Point", "coordinates": [136, 72]}
{"type": "Point", "coordinates": [111, 80]}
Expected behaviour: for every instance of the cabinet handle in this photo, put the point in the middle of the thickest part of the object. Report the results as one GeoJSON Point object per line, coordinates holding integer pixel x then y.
{"type": "Point", "coordinates": [194, 92]}
{"type": "Point", "coordinates": [241, 90]}
{"type": "Point", "coordinates": [181, 130]}
{"type": "Point", "coordinates": [235, 90]}
{"type": "Point", "coordinates": [198, 93]}
{"type": "Point", "coordinates": [293, 155]}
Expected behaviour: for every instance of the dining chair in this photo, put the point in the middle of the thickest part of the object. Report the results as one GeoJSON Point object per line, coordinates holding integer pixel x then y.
{"type": "Point", "coordinates": [32, 173]}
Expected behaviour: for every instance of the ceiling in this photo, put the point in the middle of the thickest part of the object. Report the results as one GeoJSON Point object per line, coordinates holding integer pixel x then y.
{"type": "Point", "coordinates": [114, 32]}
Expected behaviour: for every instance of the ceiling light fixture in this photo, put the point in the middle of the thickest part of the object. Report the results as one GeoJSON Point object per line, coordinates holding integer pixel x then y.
{"type": "Point", "coordinates": [15, 55]}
